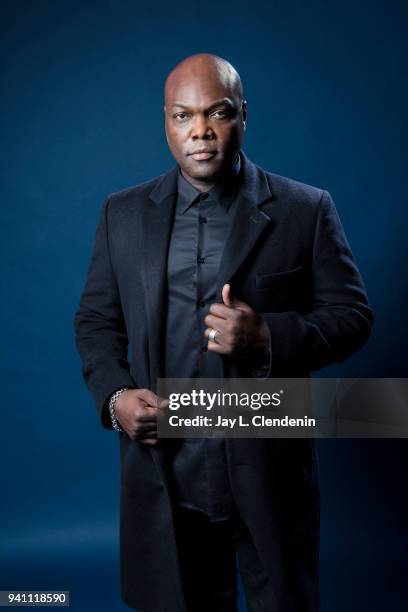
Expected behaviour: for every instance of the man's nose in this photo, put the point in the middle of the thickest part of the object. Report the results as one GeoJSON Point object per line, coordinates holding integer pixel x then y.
{"type": "Point", "coordinates": [201, 128]}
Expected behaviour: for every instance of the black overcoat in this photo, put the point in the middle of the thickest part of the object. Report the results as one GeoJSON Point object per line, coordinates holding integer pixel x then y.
{"type": "Point", "coordinates": [288, 258]}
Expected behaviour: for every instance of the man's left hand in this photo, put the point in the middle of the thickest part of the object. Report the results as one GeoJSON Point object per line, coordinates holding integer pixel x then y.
{"type": "Point", "coordinates": [241, 332]}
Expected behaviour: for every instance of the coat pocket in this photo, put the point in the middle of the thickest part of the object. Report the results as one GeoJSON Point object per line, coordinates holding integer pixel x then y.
{"type": "Point", "coordinates": [271, 279]}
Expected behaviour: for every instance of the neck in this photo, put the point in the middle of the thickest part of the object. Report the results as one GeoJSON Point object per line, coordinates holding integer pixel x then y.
{"type": "Point", "coordinates": [205, 185]}
{"type": "Point", "coordinates": [200, 185]}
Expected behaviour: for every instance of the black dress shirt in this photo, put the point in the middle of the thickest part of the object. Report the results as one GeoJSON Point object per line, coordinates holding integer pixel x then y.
{"type": "Point", "coordinates": [201, 224]}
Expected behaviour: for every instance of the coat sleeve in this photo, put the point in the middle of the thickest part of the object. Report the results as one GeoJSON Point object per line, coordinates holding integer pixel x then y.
{"type": "Point", "coordinates": [100, 328]}
{"type": "Point", "coordinates": [340, 321]}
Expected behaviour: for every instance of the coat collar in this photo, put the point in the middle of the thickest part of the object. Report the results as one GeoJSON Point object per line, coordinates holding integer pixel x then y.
{"type": "Point", "coordinates": [255, 187]}
{"type": "Point", "coordinates": [222, 193]}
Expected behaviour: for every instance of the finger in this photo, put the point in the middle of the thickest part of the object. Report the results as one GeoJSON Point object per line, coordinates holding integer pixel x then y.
{"type": "Point", "coordinates": [144, 429]}
{"type": "Point", "coordinates": [149, 397]}
{"type": "Point", "coordinates": [231, 301]}
{"type": "Point", "coordinates": [221, 311]}
{"type": "Point", "coordinates": [226, 294]}
{"type": "Point", "coordinates": [149, 435]}
{"type": "Point", "coordinates": [216, 348]}
{"type": "Point", "coordinates": [147, 414]}
{"type": "Point", "coordinates": [216, 323]}
{"type": "Point", "coordinates": [150, 441]}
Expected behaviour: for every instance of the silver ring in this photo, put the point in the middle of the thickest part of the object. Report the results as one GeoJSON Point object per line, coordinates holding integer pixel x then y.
{"type": "Point", "coordinates": [212, 335]}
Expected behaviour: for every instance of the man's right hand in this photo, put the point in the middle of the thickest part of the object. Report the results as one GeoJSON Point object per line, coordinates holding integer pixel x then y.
{"type": "Point", "coordinates": [137, 411]}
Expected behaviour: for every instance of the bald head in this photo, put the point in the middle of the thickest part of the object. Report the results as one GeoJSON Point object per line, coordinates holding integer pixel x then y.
{"type": "Point", "coordinates": [203, 67]}
{"type": "Point", "coordinates": [205, 117]}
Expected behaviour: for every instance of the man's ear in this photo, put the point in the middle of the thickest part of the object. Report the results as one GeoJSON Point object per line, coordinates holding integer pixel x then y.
{"type": "Point", "coordinates": [244, 112]}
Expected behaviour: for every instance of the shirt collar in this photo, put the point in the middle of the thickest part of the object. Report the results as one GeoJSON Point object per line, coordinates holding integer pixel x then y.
{"type": "Point", "coordinates": [223, 193]}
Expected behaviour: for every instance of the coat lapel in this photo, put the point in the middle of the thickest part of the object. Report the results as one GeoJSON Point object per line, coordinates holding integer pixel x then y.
{"type": "Point", "coordinates": [248, 224]}
{"type": "Point", "coordinates": [156, 229]}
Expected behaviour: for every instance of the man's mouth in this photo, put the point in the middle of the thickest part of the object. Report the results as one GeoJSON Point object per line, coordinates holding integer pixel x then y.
{"type": "Point", "coordinates": [203, 154]}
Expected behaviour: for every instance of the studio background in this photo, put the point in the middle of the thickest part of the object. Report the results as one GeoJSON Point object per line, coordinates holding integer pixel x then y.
{"type": "Point", "coordinates": [81, 115]}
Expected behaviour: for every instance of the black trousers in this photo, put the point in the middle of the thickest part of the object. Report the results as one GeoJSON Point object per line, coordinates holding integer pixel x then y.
{"type": "Point", "coordinates": [207, 556]}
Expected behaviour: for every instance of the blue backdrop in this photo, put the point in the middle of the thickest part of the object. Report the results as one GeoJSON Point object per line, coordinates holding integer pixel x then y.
{"type": "Point", "coordinates": [81, 114]}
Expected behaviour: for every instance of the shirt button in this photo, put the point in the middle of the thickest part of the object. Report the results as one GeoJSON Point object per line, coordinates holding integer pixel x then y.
{"type": "Point", "coordinates": [200, 260]}
{"type": "Point", "coordinates": [203, 349]}
{"type": "Point", "coordinates": [203, 196]}
{"type": "Point", "coordinates": [203, 219]}
{"type": "Point", "coordinates": [201, 304]}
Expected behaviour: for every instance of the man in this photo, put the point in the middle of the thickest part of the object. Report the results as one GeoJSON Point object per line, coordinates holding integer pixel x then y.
{"type": "Point", "coordinates": [216, 268]}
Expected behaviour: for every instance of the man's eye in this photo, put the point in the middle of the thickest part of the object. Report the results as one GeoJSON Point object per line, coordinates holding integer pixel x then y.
{"type": "Point", "coordinates": [219, 114]}
{"type": "Point", "coordinates": [180, 116]}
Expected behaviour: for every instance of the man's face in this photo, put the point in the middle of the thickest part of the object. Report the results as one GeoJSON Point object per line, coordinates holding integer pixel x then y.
{"type": "Point", "coordinates": [205, 122]}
